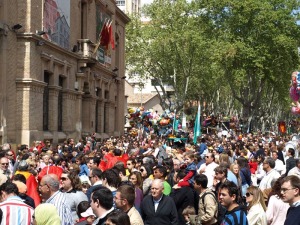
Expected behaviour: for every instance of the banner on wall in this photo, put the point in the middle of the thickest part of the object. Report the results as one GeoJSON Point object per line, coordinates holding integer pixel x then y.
{"type": "Point", "coordinates": [56, 22]}
{"type": "Point", "coordinates": [103, 21]}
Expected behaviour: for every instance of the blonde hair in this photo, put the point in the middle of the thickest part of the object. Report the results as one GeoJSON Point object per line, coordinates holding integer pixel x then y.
{"type": "Point", "coordinates": [189, 210]}
{"type": "Point", "coordinates": [258, 197]}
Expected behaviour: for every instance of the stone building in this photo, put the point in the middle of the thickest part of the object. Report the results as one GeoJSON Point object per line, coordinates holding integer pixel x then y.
{"type": "Point", "coordinates": [55, 82]}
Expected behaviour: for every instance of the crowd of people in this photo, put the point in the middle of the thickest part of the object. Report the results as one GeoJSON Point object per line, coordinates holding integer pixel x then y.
{"type": "Point", "coordinates": [229, 180]}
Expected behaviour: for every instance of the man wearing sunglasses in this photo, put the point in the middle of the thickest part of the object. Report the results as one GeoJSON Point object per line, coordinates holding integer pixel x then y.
{"type": "Point", "coordinates": [290, 193]}
{"type": "Point", "coordinates": [4, 163]}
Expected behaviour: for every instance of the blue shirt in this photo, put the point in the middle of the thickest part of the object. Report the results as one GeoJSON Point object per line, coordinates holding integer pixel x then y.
{"type": "Point", "coordinates": [232, 177]}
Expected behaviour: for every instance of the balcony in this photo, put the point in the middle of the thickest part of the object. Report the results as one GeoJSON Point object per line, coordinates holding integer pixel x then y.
{"type": "Point", "coordinates": [85, 48]}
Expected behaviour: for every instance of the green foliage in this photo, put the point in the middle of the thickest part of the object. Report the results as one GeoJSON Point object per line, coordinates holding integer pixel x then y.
{"type": "Point", "coordinates": [231, 50]}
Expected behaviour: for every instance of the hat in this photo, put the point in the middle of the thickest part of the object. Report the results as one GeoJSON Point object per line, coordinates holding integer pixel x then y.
{"type": "Point", "coordinates": [87, 213]}
{"type": "Point", "coordinates": [23, 165]}
{"type": "Point", "coordinates": [21, 186]}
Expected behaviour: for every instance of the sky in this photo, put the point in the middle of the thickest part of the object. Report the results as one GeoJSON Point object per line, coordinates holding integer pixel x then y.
{"type": "Point", "coordinates": [146, 1]}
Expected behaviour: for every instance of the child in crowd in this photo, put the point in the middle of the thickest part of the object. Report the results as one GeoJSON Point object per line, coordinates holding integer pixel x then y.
{"type": "Point", "coordinates": [189, 214]}
{"type": "Point", "coordinates": [190, 170]}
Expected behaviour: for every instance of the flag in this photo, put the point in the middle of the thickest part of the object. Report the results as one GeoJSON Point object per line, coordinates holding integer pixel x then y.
{"type": "Point", "coordinates": [175, 122]}
{"type": "Point", "coordinates": [104, 35]}
{"type": "Point", "coordinates": [103, 30]}
{"type": "Point", "coordinates": [197, 127]}
{"type": "Point", "coordinates": [111, 37]}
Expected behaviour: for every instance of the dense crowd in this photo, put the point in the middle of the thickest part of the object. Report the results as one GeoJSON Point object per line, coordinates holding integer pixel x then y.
{"type": "Point", "coordinates": [223, 179]}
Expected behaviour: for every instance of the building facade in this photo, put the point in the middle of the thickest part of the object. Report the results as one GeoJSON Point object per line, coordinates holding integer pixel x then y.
{"type": "Point", "coordinates": [55, 80]}
{"type": "Point", "coordinates": [129, 6]}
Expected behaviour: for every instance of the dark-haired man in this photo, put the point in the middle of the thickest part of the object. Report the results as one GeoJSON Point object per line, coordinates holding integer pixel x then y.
{"type": "Point", "coordinates": [95, 179]}
{"type": "Point", "coordinates": [101, 204]}
{"type": "Point", "coordinates": [235, 215]}
{"type": "Point", "coordinates": [14, 210]}
{"type": "Point", "coordinates": [124, 200]}
{"type": "Point", "coordinates": [290, 193]}
{"type": "Point", "coordinates": [208, 206]}
{"type": "Point", "coordinates": [291, 161]}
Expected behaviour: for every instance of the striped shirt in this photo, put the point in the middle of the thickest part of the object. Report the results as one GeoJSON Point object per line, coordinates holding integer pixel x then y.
{"type": "Point", "coordinates": [58, 199]}
{"type": "Point", "coordinates": [16, 212]}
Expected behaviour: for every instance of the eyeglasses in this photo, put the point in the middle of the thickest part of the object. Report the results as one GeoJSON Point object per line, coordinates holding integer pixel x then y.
{"type": "Point", "coordinates": [283, 190]}
{"type": "Point", "coordinates": [42, 185]}
{"type": "Point", "coordinates": [115, 198]}
{"type": "Point", "coordinates": [248, 194]}
{"type": "Point", "coordinates": [4, 164]}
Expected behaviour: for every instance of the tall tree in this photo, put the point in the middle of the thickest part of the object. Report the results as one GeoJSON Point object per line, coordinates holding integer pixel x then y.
{"type": "Point", "coordinates": [257, 46]}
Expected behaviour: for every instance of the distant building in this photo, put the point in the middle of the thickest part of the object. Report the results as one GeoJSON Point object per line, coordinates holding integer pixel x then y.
{"type": "Point", "coordinates": [53, 84]}
{"type": "Point", "coordinates": [129, 6]}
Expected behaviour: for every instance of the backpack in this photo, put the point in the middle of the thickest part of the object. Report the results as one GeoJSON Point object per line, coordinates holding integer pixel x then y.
{"type": "Point", "coordinates": [220, 215]}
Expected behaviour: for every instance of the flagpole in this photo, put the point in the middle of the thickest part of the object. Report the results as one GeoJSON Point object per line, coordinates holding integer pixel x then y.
{"type": "Point", "coordinates": [99, 41]}
{"type": "Point", "coordinates": [197, 128]}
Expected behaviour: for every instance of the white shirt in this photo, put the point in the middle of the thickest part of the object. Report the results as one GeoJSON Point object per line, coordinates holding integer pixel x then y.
{"type": "Point", "coordinates": [209, 172]}
{"type": "Point", "coordinates": [276, 211]}
{"type": "Point", "coordinates": [266, 181]}
{"type": "Point", "coordinates": [280, 167]}
{"type": "Point", "coordinates": [295, 171]}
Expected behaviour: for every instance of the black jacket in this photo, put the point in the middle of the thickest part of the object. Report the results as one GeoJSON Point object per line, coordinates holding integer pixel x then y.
{"type": "Point", "coordinates": [166, 213]}
{"type": "Point", "coordinates": [182, 197]}
{"type": "Point", "coordinates": [292, 216]}
{"type": "Point", "coordinates": [290, 164]}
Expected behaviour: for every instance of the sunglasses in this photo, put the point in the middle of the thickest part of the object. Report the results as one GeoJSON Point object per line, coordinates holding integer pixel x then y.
{"type": "Point", "coordinates": [63, 178]}
{"type": "Point", "coordinates": [142, 170]}
{"type": "Point", "coordinates": [248, 194]}
{"type": "Point", "coordinates": [9, 154]}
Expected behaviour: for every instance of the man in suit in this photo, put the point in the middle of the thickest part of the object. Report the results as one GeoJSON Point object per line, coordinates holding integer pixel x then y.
{"type": "Point", "coordinates": [158, 208]}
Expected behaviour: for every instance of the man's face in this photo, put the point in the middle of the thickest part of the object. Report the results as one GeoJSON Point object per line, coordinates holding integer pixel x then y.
{"type": "Point", "coordinates": [119, 201]}
{"type": "Point", "coordinates": [4, 163]}
{"type": "Point", "coordinates": [176, 165]}
{"type": "Point", "coordinates": [94, 206]}
{"type": "Point", "coordinates": [225, 199]}
{"type": "Point", "coordinates": [265, 166]}
{"type": "Point", "coordinates": [130, 165]}
{"type": "Point", "coordinates": [65, 182]}
{"type": "Point", "coordinates": [208, 158]}
{"type": "Point", "coordinates": [288, 192]}
{"type": "Point", "coordinates": [10, 155]}
{"type": "Point", "coordinates": [157, 174]}
{"type": "Point", "coordinates": [90, 164]}
{"type": "Point", "coordinates": [219, 176]}
{"type": "Point", "coordinates": [156, 190]}
{"type": "Point", "coordinates": [44, 190]}
{"type": "Point", "coordinates": [274, 155]}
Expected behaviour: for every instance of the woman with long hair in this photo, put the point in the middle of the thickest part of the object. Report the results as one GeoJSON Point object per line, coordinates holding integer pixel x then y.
{"type": "Point", "coordinates": [71, 186]}
{"type": "Point", "coordinates": [136, 179]}
{"type": "Point", "coordinates": [146, 172]}
{"type": "Point", "coordinates": [277, 209]}
{"type": "Point", "coordinates": [256, 206]}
